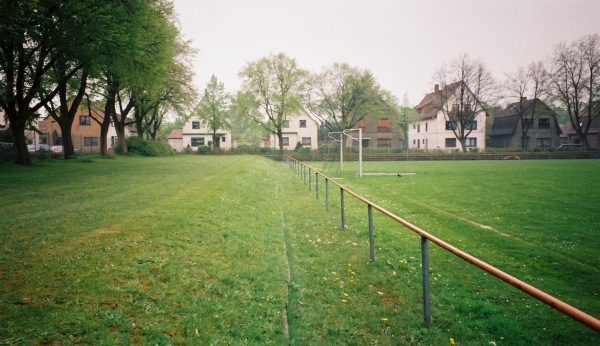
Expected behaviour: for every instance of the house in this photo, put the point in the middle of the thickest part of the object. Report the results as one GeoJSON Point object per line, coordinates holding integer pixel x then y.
{"type": "Point", "coordinates": [301, 128]}
{"type": "Point", "coordinates": [175, 140]}
{"type": "Point", "coordinates": [433, 131]}
{"type": "Point", "coordinates": [376, 133]}
{"type": "Point", "coordinates": [85, 131]}
{"type": "Point", "coordinates": [593, 136]}
{"type": "Point", "coordinates": [544, 130]}
{"type": "Point", "coordinates": [195, 133]}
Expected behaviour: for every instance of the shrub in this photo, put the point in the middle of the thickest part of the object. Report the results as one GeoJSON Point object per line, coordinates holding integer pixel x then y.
{"type": "Point", "coordinates": [143, 147]}
{"type": "Point", "coordinates": [203, 149]}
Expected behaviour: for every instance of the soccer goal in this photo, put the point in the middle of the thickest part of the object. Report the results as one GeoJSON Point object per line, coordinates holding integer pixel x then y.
{"type": "Point", "coordinates": [339, 137]}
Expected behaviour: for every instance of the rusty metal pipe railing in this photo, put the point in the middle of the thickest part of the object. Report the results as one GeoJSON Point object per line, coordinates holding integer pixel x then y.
{"type": "Point", "coordinates": [540, 295]}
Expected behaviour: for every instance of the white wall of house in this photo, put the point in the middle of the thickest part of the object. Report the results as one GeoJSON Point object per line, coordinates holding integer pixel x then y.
{"type": "Point", "coordinates": [431, 134]}
{"type": "Point", "coordinates": [301, 128]}
{"type": "Point", "coordinates": [176, 144]}
{"type": "Point", "coordinates": [195, 134]}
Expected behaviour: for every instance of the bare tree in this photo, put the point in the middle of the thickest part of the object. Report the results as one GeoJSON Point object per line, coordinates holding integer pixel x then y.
{"type": "Point", "coordinates": [520, 84]}
{"type": "Point", "coordinates": [466, 87]}
{"type": "Point", "coordinates": [575, 80]}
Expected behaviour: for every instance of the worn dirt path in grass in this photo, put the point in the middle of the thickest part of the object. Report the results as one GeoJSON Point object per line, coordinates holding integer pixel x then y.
{"type": "Point", "coordinates": [286, 328]}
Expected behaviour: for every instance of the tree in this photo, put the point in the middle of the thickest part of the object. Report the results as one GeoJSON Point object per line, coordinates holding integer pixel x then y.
{"type": "Point", "coordinates": [404, 115]}
{"type": "Point", "coordinates": [213, 108]}
{"type": "Point", "coordinates": [466, 87]}
{"type": "Point", "coordinates": [243, 127]}
{"type": "Point", "coordinates": [575, 81]}
{"type": "Point", "coordinates": [340, 96]}
{"type": "Point", "coordinates": [274, 86]}
{"type": "Point", "coordinates": [33, 37]}
{"type": "Point", "coordinates": [520, 84]}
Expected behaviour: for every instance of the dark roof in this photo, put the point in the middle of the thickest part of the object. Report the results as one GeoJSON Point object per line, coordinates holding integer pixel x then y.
{"type": "Point", "coordinates": [506, 121]}
{"type": "Point", "coordinates": [432, 102]}
{"type": "Point", "coordinates": [505, 125]}
{"type": "Point", "coordinates": [594, 126]}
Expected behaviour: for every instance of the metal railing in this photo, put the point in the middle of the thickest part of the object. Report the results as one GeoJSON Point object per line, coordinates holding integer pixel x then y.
{"type": "Point", "coordinates": [306, 172]}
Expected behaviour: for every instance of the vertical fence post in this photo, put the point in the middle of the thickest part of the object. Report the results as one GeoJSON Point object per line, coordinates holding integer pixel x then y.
{"type": "Point", "coordinates": [326, 194]}
{"type": "Point", "coordinates": [317, 184]}
{"type": "Point", "coordinates": [304, 174]}
{"type": "Point", "coordinates": [425, 273]}
{"type": "Point", "coordinates": [309, 179]}
{"type": "Point", "coordinates": [342, 208]}
{"type": "Point", "coordinates": [371, 234]}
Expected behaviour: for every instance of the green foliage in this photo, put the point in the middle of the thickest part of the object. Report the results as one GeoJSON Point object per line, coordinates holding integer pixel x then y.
{"type": "Point", "coordinates": [144, 147]}
{"type": "Point", "coordinates": [203, 149]}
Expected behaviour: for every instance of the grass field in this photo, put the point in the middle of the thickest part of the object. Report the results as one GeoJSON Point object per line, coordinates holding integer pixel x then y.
{"type": "Point", "coordinates": [196, 250]}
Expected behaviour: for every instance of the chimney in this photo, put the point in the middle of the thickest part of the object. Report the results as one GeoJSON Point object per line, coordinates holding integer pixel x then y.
{"type": "Point", "coordinates": [436, 88]}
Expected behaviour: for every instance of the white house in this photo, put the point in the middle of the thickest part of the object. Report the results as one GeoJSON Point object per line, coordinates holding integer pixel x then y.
{"type": "Point", "coordinates": [195, 133]}
{"type": "Point", "coordinates": [176, 140]}
{"type": "Point", "coordinates": [301, 128]}
{"type": "Point", "coordinates": [433, 131]}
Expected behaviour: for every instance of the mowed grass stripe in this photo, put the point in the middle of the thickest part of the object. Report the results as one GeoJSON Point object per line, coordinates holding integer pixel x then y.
{"type": "Point", "coordinates": [180, 250]}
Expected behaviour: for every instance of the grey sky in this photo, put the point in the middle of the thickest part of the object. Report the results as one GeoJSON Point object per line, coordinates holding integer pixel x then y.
{"type": "Point", "coordinates": [401, 41]}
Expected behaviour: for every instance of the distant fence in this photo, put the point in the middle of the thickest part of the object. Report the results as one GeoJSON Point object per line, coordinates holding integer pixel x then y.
{"type": "Point", "coordinates": [443, 156]}
{"type": "Point", "coordinates": [306, 173]}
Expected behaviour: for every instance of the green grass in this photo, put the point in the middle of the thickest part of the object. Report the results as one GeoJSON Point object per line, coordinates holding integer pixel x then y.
{"type": "Point", "coordinates": [190, 250]}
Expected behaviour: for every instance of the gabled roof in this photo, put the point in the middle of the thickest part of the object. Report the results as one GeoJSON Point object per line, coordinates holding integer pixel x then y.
{"type": "Point", "coordinates": [176, 134]}
{"type": "Point", "coordinates": [506, 121]}
{"type": "Point", "coordinates": [432, 102]}
{"type": "Point", "coordinates": [594, 126]}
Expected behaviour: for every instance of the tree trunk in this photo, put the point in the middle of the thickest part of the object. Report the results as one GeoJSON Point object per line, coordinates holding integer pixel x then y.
{"type": "Point", "coordinates": [280, 137]}
{"type": "Point", "coordinates": [66, 124]}
{"type": "Point", "coordinates": [19, 142]}
{"type": "Point", "coordinates": [463, 145]}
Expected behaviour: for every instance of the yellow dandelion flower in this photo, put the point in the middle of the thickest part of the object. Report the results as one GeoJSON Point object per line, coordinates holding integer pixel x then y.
{"type": "Point", "coordinates": [345, 294]}
{"type": "Point", "coordinates": [334, 273]}
{"type": "Point", "coordinates": [344, 301]}
{"type": "Point", "coordinates": [452, 341]}
{"type": "Point", "coordinates": [384, 319]}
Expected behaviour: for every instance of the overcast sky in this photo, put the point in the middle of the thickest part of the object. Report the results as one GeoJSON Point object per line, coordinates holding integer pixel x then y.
{"type": "Point", "coordinates": [402, 42]}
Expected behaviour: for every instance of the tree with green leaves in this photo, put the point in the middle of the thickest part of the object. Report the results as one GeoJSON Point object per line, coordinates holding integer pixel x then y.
{"type": "Point", "coordinates": [214, 108]}
{"type": "Point", "coordinates": [466, 87]}
{"type": "Point", "coordinates": [274, 86]}
{"type": "Point", "coordinates": [340, 96]}
{"type": "Point", "coordinates": [403, 117]}
{"type": "Point", "coordinates": [35, 37]}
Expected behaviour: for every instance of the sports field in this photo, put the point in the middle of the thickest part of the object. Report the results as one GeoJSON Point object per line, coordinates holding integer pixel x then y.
{"type": "Point", "coordinates": [237, 250]}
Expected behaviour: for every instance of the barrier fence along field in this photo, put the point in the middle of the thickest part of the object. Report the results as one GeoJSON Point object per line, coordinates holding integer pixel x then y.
{"type": "Point", "coordinates": [303, 170]}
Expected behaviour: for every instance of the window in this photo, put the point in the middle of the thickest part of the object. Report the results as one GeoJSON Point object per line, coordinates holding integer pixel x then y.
{"type": "Point", "coordinates": [426, 125]}
{"type": "Point", "coordinates": [384, 125]}
{"type": "Point", "coordinates": [90, 141]}
{"type": "Point", "coordinates": [365, 143]}
{"type": "Point", "coordinates": [528, 123]}
{"type": "Point", "coordinates": [472, 126]}
{"type": "Point", "coordinates": [450, 125]}
{"type": "Point", "coordinates": [223, 139]}
{"type": "Point", "coordinates": [471, 142]}
{"type": "Point", "coordinates": [543, 123]}
{"type": "Point", "coordinates": [85, 120]}
{"type": "Point", "coordinates": [384, 143]}
{"type": "Point", "coordinates": [196, 126]}
{"type": "Point", "coordinates": [544, 142]}
{"type": "Point", "coordinates": [450, 142]}
{"type": "Point", "coordinates": [197, 141]}
{"type": "Point", "coordinates": [285, 124]}
{"type": "Point", "coordinates": [302, 123]}
{"type": "Point", "coordinates": [418, 128]}
{"type": "Point", "coordinates": [286, 140]}
{"type": "Point", "coordinates": [414, 141]}
{"type": "Point", "coordinates": [306, 141]}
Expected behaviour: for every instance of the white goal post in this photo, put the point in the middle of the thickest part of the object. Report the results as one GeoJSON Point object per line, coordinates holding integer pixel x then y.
{"type": "Point", "coordinates": [340, 140]}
